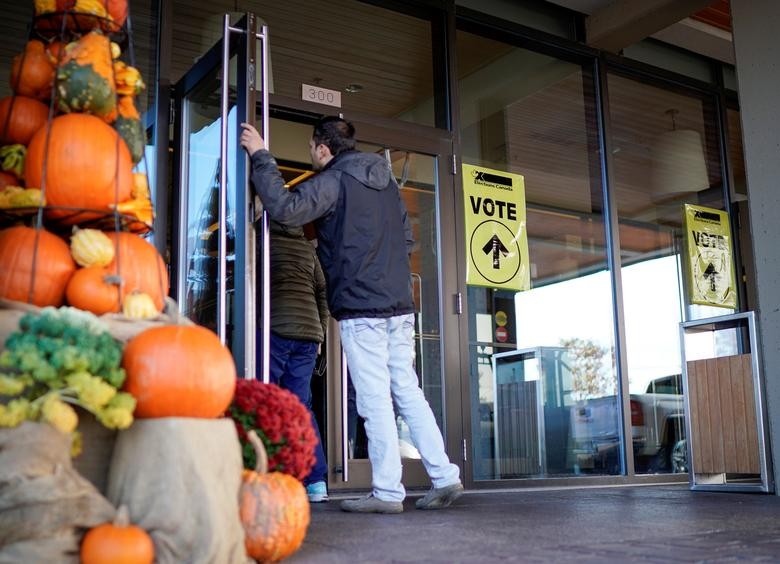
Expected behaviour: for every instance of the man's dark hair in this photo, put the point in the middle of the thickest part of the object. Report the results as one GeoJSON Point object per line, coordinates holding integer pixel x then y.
{"type": "Point", "coordinates": [336, 134]}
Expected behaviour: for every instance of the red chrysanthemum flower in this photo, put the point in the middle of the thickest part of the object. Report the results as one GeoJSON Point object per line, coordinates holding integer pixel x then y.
{"type": "Point", "coordinates": [280, 420]}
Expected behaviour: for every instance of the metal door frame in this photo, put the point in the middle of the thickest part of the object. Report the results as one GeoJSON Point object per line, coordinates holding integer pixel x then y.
{"type": "Point", "coordinates": [347, 474]}
{"type": "Point", "coordinates": [239, 41]}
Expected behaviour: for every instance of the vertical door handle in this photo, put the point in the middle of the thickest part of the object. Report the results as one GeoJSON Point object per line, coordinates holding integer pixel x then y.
{"type": "Point", "coordinates": [344, 418]}
{"type": "Point", "coordinates": [222, 220]}
{"type": "Point", "coordinates": [265, 223]}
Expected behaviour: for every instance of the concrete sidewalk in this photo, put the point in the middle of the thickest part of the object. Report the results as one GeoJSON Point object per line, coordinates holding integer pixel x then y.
{"type": "Point", "coordinates": [618, 524]}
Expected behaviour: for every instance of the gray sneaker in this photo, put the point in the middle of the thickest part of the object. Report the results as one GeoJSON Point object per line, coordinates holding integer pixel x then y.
{"type": "Point", "coordinates": [438, 498]}
{"type": "Point", "coordinates": [371, 504]}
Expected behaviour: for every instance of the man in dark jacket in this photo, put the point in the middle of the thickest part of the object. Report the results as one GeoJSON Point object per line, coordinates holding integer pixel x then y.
{"type": "Point", "coordinates": [299, 320]}
{"type": "Point", "coordinates": [364, 241]}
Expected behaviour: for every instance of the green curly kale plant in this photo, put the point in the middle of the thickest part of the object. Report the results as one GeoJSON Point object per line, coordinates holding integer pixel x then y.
{"type": "Point", "coordinates": [61, 358]}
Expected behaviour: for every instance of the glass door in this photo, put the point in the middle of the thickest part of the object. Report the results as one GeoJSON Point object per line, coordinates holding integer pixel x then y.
{"type": "Point", "coordinates": [420, 160]}
{"type": "Point", "coordinates": [215, 261]}
{"type": "Point", "coordinates": [419, 164]}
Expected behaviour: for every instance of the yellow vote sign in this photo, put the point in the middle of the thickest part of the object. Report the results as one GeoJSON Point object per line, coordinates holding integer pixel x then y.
{"type": "Point", "coordinates": [496, 239]}
{"type": "Point", "coordinates": [710, 252]}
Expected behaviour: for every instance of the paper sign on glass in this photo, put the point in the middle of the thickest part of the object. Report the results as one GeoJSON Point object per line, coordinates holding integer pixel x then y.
{"type": "Point", "coordinates": [710, 253]}
{"type": "Point", "coordinates": [496, 238]}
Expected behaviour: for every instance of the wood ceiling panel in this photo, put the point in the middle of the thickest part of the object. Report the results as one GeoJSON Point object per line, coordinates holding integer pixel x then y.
{"type": "Point", "coordinates": [388, 53]}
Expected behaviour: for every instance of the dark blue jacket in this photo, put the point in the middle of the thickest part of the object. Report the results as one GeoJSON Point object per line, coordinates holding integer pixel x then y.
{"type": "Point", "coordinates": [363, 232]}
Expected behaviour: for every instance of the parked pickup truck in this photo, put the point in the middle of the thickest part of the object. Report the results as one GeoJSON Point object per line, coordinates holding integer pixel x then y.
{"type": "Point", "coordinates": [657, 429]}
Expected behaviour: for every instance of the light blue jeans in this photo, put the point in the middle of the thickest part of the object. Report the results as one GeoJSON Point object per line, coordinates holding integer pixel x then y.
{"type": "Point", "coordinates": [380, 357]}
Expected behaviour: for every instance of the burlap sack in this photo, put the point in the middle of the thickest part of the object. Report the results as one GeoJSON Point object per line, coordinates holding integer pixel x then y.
{"type": "Point", "coordinates": [45, 505]}
{"type": "Point", "coordinates": [97, 446]}
{"type": "Point", "coordinates": [179, 478]}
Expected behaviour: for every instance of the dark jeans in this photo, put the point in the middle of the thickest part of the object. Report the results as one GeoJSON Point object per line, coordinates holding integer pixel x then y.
{"type": "Point", "coordinates": [292, 363]}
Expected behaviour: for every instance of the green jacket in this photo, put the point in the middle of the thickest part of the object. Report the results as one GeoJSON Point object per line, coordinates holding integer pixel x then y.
{"type": "Point", "coordinates": [299, 307]}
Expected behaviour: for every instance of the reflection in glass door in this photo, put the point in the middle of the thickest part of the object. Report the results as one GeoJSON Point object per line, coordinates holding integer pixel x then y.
{"type": "Point", "coordinates": [416, 176]}
{"type": "Point", "coordinates": [418, 169]}
{"type": "Point", "coordinates": [200, 273]}
{"type": "Point", "coordinates": [543, 381]}
{"type": "Point", "coordinates": [215, 263]}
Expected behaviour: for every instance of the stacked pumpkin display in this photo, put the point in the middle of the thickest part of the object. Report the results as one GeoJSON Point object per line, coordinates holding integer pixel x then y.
{"type": "Point", "coordinates": [70, 136]}
{"type": "Point", "coordinates": [73, 210]}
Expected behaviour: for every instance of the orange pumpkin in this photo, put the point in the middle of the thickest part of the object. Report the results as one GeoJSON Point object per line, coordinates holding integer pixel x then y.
{"type": "Point", "coordinates": [85, 77]}
{"type": "Point", "coordinates": [20, 118]}
{"type": "Point", "coordinates": [94, 289]}
{"type": "Point", "coordinates": [53, 266]}
{"type": "Point", "coordinates": [179, 371]}
{"type": "Point", "coordinates": [32, 73]}
{"type": "Point", "coordinates": [117, 543]}
{"type": "Point", "coordinates": [117, 9]}
{"type": "Point", "coordinates": [7, 179]}
{"type": "Point", "coordinates": [88, 165]}
{"type": "Point", "coordinates": [274, 510]}
{"type": "Point", "coordinates": [140, 266]}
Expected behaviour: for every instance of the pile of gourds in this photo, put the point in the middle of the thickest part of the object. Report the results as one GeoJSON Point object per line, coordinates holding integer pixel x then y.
{"type": "Point", "coordinates": [70, 136]}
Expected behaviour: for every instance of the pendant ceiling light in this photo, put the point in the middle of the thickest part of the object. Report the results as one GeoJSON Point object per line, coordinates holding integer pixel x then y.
{"type": "Point", "coordinates": [678, 165]}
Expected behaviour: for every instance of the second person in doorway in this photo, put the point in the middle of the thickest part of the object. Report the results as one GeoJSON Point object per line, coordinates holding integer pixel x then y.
{"type": "Point", "coordinates": [299, 318]}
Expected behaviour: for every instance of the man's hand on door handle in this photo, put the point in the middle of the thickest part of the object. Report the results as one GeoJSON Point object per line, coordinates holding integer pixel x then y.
{"type": "Point", "coordinates": [250, 139]}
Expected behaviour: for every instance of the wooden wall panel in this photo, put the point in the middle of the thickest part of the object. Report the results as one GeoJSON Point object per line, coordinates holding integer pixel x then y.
{"type": "Point", "coordinates": [723, 417]}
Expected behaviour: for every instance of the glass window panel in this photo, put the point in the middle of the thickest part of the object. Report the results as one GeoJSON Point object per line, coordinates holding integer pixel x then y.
{"type": "Point", "coordinates": [665, 154]}
{"type": "Point", "coordinates": [380, 60]}
{"type": "Point", "coordinates": [204, 123]}
{"type": "Point", "coordinates": [543, 402]}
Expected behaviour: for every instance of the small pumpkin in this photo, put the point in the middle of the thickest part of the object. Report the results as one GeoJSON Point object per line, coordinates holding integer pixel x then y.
{"type": "Point", "coordinates": [20, 118]}
{"type": "Point", "coordinates": [117, 543]}
{"type": "Point", "coordinates": [91, 247]}
{"type": "Point", "coordinates": [19, 246]}
{"type": "Point", "coordinates": [32, 73]}
{"type": "Point", "coordinates": [274, 509]}
{"type": "Point", "coordinates": [128, 79]}
{"type": "Point", "coordinates": [18, 197]}
{"type": "Point", "coordinates": [139, 306]}
{"type": "Point", "coordinates": [140, 266]}
{"type": "Point", "coordinates": [82, 168]}
{"type": "Point", "coordinates": [94, 289]}
{"type": "Point", "coordinates": [117, 9]}
{"type": "Point", "coordinates": [85, 77]}
{"type": "Point", "coordinates": [179, 371]}
{"type": "Point", "coordinates": [128, 125]}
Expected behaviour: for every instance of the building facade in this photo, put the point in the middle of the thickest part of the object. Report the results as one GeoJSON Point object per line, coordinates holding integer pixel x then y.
{"type": "Point", "coordinates": [612, 115]}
